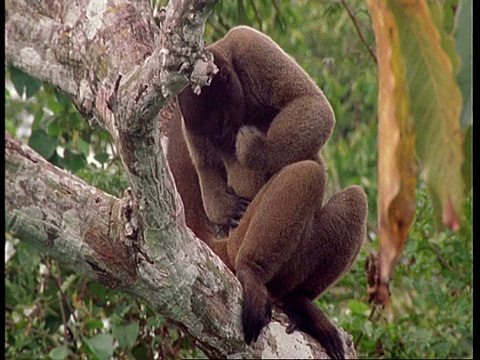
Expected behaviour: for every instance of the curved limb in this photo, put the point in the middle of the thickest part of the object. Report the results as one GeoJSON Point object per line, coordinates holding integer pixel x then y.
{"type": "Point", "coordinates": [305, 316]}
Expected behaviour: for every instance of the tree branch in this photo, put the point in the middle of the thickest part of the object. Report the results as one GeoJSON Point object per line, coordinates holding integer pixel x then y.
{"type": "Point", "coordinates": [121, 69]}
{"type": "Point", "coordinates": [87, 230]}
{"type": "Point", "coordinates": [359, 31]}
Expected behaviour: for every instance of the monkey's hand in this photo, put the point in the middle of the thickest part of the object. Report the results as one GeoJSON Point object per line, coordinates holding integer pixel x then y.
{"type": "Point", "coordinates": [238, 209]}
{"type": "Point", "coordinates": [251, 148]}
{"type": "Point", "coordinates": [226, 209]}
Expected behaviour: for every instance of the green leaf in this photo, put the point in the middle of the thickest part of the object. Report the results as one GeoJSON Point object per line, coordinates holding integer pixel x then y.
{"type": "Point", "coordinates": [436, 105]}
{"type": "Point", "coordinates": [140, 352]}
{"type": "Point", "coordinates": [126, 334]}
{"type": "Point", "coordinates": [358, 307]}
{"type": "Point", "coordinates": [37, 119]}
{"type": "Point", "coordinates": [63, 99]}
{"type": "Point", "coordinates": [100, 346]}
{"type": "Point", "coordinates": [55, 106]}
{"type": "Point", "coordinates": [102, 157]}
{"type": "Point", "coordinates": [42, 143]}
{"type": "Point", "coordinates": [59, 353]}
{"type": "Point", "coordinates": [57, 161]}
{"type": "Point", "coordinates": [94, 324]}
{"type": "Point", "coordinates": [100, 292]}
{"type": "Point", "coordinates": [84, 147]}
{"type": "Point", "coordinates": [23, 81]}
{"type": "Point", "coordinates": [463, 45]}
{"type": "Point", "coordinates": [54, 129]}
{"type": "Point", "coordinates": [74, 162]}
{"type": "Point", "coordinates": [52, 323]}
{"type": "Point", "coordinates": [10, 127]}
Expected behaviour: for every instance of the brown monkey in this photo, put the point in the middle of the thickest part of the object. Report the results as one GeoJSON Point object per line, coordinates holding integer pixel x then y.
{"type": "Point", "coordinates": [289, 249]}
{"type": "Point", "coordinates": [186, 178]}
{"type": "Point", "coordinates": [260, 112]}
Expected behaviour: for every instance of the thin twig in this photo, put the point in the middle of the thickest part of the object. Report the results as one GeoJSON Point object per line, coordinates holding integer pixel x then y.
{"type": "Point", "coordinates": [443, 262]}
{"type": "Point", "coordinates": [59, 282]}
{"type": "Point", "coordinates": [276, 6]}
{"type": "Point", "coordinates": [354, 19]}
{"type": "Point", "coordinates": [257, 16]}
{"type": "Point", "coordinates": [372, 312]}
{"type": "Point", "coordinates": [62, 299]}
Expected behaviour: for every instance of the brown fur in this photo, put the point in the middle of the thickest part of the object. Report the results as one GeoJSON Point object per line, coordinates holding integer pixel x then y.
{"type": "Point", "coordinates": [289, 249]}
{"type": "Point", "coordinates": [186, 178]}
{"type": "Point", "coordinates": [261, 112]}
{"type": "Point", "coordinates": [252, 135]}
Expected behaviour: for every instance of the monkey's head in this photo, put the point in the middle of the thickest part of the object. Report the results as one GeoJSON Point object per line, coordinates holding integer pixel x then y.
{"type": "Point", "coordinates": [219, 111]}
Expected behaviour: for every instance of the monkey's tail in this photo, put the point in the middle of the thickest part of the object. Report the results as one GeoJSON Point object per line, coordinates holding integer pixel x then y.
{"type": "Point", "coordinates": [307, 317]}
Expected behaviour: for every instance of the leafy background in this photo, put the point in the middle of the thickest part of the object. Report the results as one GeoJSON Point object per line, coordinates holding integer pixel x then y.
{"type": "Point", "coordinates": [53, 313]}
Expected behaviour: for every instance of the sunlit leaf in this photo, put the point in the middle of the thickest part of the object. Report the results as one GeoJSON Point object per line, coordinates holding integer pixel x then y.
{"type": "Point", "coordinates": [10, 127]}
{"type": "Point", "coordinates": [397, 170]}
{"type": "Point", "coordinates": [436, 105]}
{"type": "Point", "coordinates": [463, 43]}
{"type": "Point", "coordinates": [419, 114]}
{"type": "Point", "coordinates": [83, 146]}
{"type": "Point", "coordinates": [59, 353]}
{"type": "Point", "coordinates": [94, 324]}
{"type": "Point", "coordinates": [358, 307]}
{"type": "Point", "coordinates": [126, 334]}
{"type": "Point", "coordinates": [100, 346]}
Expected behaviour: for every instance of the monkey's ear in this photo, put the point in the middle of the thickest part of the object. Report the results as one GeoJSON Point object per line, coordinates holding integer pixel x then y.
{"type": "Point", "coordinates": [226, 72]}
{"type": "Point", "coordinates": [235, 91]}
{"type": "Point", "coordinates": [230, 81]}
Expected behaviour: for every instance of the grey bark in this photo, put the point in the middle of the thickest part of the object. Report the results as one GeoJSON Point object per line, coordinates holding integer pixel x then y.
{"type": "Point", "coordinates": [120, 69]}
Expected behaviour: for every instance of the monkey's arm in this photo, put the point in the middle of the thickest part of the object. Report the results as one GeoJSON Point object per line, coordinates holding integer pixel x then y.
{"type": "Point", "coordinates": [297, 133]}
{"type": "Point", "coordinates": [222, 205]}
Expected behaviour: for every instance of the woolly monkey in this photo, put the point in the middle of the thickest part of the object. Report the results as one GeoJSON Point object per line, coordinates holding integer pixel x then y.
{"type": "Point", "coordinates": [260, 112]}
{"type": "Point", "coordinates": [256, 122]}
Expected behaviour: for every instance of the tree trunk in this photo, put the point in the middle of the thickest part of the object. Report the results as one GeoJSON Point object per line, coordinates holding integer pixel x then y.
{"type": "Point", "coordinates": [120, 69]}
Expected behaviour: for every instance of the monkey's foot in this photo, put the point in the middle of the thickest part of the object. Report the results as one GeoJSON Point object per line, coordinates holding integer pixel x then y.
{"type": "Point", "coordinates": [254, 318]}
{"type": "Point", "coordinates": [292, 326]}
{"type": "Point", "coordinates": [305, 316]}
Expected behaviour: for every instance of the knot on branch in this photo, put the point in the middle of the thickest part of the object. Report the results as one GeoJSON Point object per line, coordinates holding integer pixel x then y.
{"type": "Point", "coordinates": [378, 290]}
{"type": "Point", "coordinates": [182, 45]}
{"type": "Point", "coordinates": [132, 235]}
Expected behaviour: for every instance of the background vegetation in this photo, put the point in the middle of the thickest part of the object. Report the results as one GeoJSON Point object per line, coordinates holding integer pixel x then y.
{"type": "Point", "coordinates": [52, 312]}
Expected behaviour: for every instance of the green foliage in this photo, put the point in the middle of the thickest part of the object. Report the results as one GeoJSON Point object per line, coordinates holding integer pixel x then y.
{"type": "Point", "coordinates": [24, 83]}
{"type": "Point", "coordinates": [53, 313]}
{"type": "Point", "coordinates": [427, 294]}
{"type": "Point", "coordinates": [50, 312]}
{"type": "Point", "coordinates": [463, 44]}
{"type": "Point", "coordinates": [432, 295]}
{"type": "Point", "coordinates": [51, 125]}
